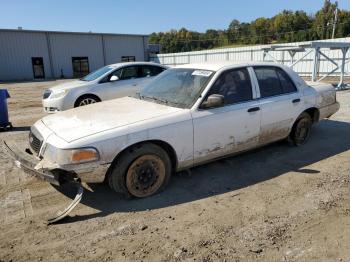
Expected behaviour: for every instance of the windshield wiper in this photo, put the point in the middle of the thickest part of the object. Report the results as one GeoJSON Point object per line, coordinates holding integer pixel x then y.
{"type": "Point", "coordinates": [155, 99]}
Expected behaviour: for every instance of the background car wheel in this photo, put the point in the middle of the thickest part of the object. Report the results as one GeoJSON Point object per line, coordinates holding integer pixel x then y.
{"type": "Point", "coordinates": [86, 100]}
{"type": "Point", "coordinates": [301, 130]}
{"type": "Point", "coordinates": [141, 171]}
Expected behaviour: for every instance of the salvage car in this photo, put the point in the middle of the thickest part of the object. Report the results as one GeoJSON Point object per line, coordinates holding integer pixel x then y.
{"type": "Point", "coordinates": [187, 116]}
{"type": "Point", "coordinates": [109, 82]}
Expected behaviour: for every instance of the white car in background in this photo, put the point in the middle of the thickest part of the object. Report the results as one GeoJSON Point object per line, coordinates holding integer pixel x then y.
{"type": "Point", "coordinates": [109, 82]}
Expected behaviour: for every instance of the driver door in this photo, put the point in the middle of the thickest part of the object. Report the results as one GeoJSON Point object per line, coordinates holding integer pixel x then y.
{"type": "Point", "coordinates": [126, 85]}
{"type": "Point", "coordinates": [233, 127]}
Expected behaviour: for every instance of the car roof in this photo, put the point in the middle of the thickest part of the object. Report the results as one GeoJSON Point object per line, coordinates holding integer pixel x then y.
{"type": "Point", "coordinates": [117, 65]}
{"type": "Point", "coordinates": [216, 66]}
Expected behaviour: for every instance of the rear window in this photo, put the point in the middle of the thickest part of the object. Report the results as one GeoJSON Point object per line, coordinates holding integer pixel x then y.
{"type": "Point", "coordinates": [148, 71]}
{"type": "Point", "coordinates": [273, 81]}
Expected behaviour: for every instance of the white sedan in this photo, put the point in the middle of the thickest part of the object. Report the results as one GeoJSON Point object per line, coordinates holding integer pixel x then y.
{"type": "Point", "coordinates": [187, 116]}
{"type": "Point", "coordinates": [109, 82]}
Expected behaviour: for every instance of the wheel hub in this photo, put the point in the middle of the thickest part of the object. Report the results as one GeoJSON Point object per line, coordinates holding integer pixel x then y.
{"type": "Point", "coordinates": [145, 175]}
{"type": "Point", "coordinates": [87, 101]}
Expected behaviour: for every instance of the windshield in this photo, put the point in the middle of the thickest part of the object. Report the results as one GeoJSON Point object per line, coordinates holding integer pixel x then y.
{"type": "Point", "coordinates": [96, 74]}
{"type": "Point", "coordinates": [178, 87]}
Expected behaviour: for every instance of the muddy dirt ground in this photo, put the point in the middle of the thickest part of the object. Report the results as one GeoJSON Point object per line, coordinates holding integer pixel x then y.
{"type": "Point", "coordinates": [277, 203]}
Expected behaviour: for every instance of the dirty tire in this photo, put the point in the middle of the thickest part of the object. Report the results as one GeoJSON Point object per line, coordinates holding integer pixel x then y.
{"type": "Point", "coordinates": [86, 100]}
{"type": "Point", "coordinates": [301, 130]}
{"type": "Point", "coordinates": [141, 171]}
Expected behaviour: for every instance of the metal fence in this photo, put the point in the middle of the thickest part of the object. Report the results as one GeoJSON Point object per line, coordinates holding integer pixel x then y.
{"type": "Point", "coordinates": [255, 53]}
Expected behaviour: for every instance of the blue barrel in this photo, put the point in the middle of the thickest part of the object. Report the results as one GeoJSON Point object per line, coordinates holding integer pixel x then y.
{"type": "Point", "coordinates": [4, 116]}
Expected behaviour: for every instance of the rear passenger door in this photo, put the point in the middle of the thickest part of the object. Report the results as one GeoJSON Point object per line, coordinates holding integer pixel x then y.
{"type": "Point", "coordinates": [280, 103]}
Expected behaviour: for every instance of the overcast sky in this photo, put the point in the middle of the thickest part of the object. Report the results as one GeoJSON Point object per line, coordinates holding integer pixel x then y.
{"type": "Point", "coordinates": [141, 16]}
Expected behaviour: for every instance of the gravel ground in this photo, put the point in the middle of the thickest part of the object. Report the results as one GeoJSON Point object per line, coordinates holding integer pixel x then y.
{"type": "Point", "coordinates": [277, 203]}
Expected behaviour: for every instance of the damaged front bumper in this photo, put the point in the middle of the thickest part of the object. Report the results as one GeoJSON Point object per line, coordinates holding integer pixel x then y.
{"type": "Point", "coordinates": [28, 163]}
{"type": "Point", "coordinates": [22, 161]}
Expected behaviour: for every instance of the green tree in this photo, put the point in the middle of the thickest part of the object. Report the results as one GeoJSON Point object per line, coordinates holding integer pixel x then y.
{"type": "Point", "coordinates": [260, 29]}
{"type": "Point", "coordinates": [287, 26]}
{"type": "Point", "coordinates": [324, 20]}
{"type": "Point", "coordinates": [343, 25]}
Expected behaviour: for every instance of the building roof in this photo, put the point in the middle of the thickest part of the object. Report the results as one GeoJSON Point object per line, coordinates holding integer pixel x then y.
{"type": "Point", "coordinates": [67, 32]}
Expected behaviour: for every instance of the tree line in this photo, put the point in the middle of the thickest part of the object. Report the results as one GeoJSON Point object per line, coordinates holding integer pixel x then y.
{"type": "Point", "coordinates": [287, 26]}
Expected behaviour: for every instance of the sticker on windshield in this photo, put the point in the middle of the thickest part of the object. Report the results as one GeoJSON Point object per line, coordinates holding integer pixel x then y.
{"type": "Point", "coordinates": [202, 73]}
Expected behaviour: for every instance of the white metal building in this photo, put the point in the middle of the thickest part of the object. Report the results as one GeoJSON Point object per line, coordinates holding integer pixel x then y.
{"type": "Point", "coordinates": [28, 54]}
{"type": "Point", "coordinates": [256, 53]}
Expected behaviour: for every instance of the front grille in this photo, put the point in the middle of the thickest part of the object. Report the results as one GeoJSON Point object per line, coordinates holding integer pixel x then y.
{"type": "Point", "coordinates": [34, 142]}
{"type": "Point", "coordinates": [47, 93]}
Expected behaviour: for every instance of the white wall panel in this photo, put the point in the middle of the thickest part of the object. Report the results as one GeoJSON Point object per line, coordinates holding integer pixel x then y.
{"type": "Point", "coordinates": [254, 53]}
{"type": "Point", "coordinates": [66, 46]}
{"type": "Point", "coordinates": [118, 46]}
{"type": "Point", "coordinates": [17, 47]}
{"type": "Point", "coordinates": [16, 52]}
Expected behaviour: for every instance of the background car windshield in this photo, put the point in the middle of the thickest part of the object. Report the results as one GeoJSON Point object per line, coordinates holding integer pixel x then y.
{"type": "Point", "coordinates": [179, 87]}
{"type": "Point", "coordinates": [96, 74]}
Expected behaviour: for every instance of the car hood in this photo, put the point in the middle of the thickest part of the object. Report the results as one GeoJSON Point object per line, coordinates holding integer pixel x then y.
{"type": "Point", "coordinates": [88, 120]}
{"type": "Point", "coordinates": [69, 85]}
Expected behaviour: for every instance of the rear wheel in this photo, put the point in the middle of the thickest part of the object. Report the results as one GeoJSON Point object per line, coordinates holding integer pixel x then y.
{"type": "Point", "coordinates": [301, 130]}
{"type": "Point", "coordinates": [86, 100]}
{"type": "Point", "coordinates": [141, 171]}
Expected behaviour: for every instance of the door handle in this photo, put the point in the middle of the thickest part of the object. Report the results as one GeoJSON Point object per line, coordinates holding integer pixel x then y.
{"type": "Point", "coordinates": [296, 101]}
{"type": "Point", "coordinates": [253, 109]}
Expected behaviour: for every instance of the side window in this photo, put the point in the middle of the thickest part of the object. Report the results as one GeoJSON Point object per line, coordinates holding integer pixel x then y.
{"type": "Point", "coordinates": [148, 71]}
{"type": "Point", "coordinates": [117, 73]}
{"type": "Point", "coordinates": [157, 70]}
{"type": "Point", "coordinates": [234, 85]}
{"type": "Point", "coordinates": [269, 82]}
{"type": "Point", "coordinates": [273, 81]}
{"type": "Point", "coordinates": [287, 84]}
{"type": "Point", "coordinates": [129, 72]}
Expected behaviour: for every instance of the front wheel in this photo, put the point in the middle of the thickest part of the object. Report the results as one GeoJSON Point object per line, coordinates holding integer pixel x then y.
{"type": "Point", "coordinates": [301, 130]}
{"type": "Point", "coordinates": [141, 171]}
{"type": "Point", "coordinates": [86, 100]}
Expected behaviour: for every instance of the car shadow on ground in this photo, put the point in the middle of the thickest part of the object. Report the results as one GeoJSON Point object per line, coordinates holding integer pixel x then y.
{"type": "Point", "coordinates": [18, 129]}
{"type": "Point", "coordinates": [14, 130]}
{"type": "Point", "coordinates": [328, 138]}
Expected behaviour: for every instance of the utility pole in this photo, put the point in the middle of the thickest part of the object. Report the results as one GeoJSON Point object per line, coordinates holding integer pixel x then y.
{"type": "Point", "coordinates": [335, 19]}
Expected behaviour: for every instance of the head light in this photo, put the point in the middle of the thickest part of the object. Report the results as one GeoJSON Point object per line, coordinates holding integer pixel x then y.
{"type": "Point", "coordinates": [58, 94]}
{"type": "Point", "coordinates": [70, 156]}
{"type": "Point", "coordinates": [47, 94]}
{"type": "Point", "coordinates": [84, 155]}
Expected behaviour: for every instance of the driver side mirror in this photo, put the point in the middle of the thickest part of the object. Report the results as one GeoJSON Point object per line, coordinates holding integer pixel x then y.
{"type": "Point", "coordinates": [213, 101]}
{"type": "Point", "coordinates": [113, 78]}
